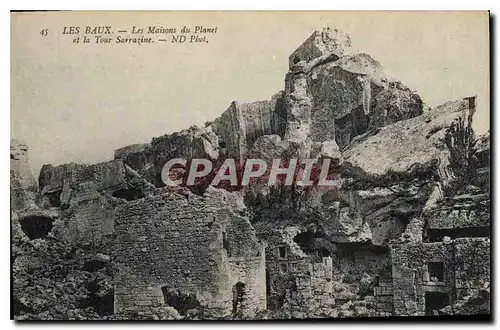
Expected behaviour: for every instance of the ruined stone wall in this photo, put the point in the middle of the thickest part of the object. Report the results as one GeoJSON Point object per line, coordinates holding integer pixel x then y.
{"type": "Point", "coordinates": [411, 278]}
{"type": "Point", "coordinates": [316, 284]}
{"type": "Point", "coordinates": [252, 273]}
{"type": "Point", "coordinates": [88, 217]}
{"type": "Point", "coordinates": [472, 265]}
{"type": "Point", "coordinates": [298, 284]}
{"type": "Point", "coordinates": [311, 294]}
{"type": "Point", "coordinates": [467, 213]}
{"type": "Point", "coordinates": [177, 241]}
{"type": "Point", "coordinates": [466, 266]}
{"type": "Point", "coordinates": [283, 256]}
{"type": "Point", "coordinates": [383, 293]}
{"type": "Point", "coordinates": [354, 270]}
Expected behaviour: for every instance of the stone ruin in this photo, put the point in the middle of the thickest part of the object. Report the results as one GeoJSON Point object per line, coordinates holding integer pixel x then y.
{"type": "Point", "coordinates": [407, 234]}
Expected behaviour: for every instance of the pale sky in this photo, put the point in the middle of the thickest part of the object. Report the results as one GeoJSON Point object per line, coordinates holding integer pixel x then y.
{"type": "Point", "coordinates": [80, 102]}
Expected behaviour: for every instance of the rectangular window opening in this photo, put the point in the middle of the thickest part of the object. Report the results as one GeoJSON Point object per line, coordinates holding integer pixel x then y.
{"type": "Point", "coordinates": [282, 252]}
{"type": "Point", "coordinates": [436, 271]}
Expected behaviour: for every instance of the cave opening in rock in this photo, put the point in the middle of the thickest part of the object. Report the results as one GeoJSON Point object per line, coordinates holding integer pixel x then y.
{"type": "Point", "coordinates": [350, 126]}
{"type": "Point", "coordinates": [36, 226]}
{"type": "Point", "coordinates": [100, 299]}
{"type": "Point", "coordinates": [239, 296]}
{"type": "Point", "coordinates": [54, 198]}
{"type": "Point", "coordinates": [434, 301]}
{"type": "Point", "coordinates": [437, 235]}
{"type": "Point", "coordinates": [314, 243]}
{"type": "Point", "coordinates": [94, 265]}
{"type": "Point", "coordinates": [179, 300]}
{"type": "Point", "coordinates": [129, 194]}
{"type": "Point", "coordinates": [103, 305]}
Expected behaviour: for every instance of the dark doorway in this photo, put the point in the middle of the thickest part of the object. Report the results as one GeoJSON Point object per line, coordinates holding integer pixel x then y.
{"type": "Point", "coordinates": [182, 302]}
{"type": "Point", "coordinates": [436, 271]}
{"type": "Point", "coordinates": [434, 301]}
{"type": "Point", "coordinates": [238, 299]}
{"type": "Point", "coordinates": [129, 194]}
{"type": "Point", "coordinates": [282, 252]}
{"type": "Point", "coordinates": [36, 226]}
{"type": "Point", "coordinates": [225, 244]}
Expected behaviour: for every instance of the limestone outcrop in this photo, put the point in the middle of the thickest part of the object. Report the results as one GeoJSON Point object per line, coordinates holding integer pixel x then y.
{"type": "Point", "coordinates": [418, 140]}
{"type": "Point", "coordinates": [242, 123]}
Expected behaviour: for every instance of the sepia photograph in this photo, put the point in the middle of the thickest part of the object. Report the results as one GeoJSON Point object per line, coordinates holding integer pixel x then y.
{"type": "Point", "coordinates": [250, 165]}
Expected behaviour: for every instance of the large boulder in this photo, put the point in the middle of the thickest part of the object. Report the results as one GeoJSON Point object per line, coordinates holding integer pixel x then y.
{"type": "Point", "coordinates": [319, 44]}
{"type": "Point", "coordinates": [331, 97]}
{"type": "Point", "coordinates": [418, 140]}
{"type": "Point", "coordinates": [242, 123]}
{"type": "Point", "coordinates": [396, 102]}
{"type": "Point", "coordinates": [194, 142]}
{"type": "Point", "coordinates": [58, 182]}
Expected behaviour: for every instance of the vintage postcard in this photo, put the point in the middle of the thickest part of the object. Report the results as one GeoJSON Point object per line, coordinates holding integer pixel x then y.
{"type": "Point", "coordinates": [250, 165]}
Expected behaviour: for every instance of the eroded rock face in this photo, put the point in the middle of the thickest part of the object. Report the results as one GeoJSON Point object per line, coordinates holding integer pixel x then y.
{"type": "Point", "coordinates": [395, 103]}
{"type": "Point", "coordinates": [58, 182]}
{"type": "Point", "coordinates": [192, 143]}
{"type": "Point", "coordinates": [331, 99]}
{"type": "Point", "coordinates": [425, 134]}
{"type": "Point", "coordinates": [242, 123]}
{"type": "Point", "coordinates": [269, 147]}
{"type": "Point", "coordinates": [19, 163]}
{"type": "Point", "coordinates": [23, 186]}
{"type": "Point", "coordinates": [320, 44]}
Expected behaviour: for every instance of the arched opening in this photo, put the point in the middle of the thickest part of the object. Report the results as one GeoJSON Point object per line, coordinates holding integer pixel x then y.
{"type": "Point", "coordinates": [181, 301]}
{"type": "Point", "coordinates": [36, 226]}
{"type": "Point", "coordinates": [239, 296]}
{"type": "Point", "coordinates": [101, 301]}
{"type": "Point", "coordinates": [434, 301]}
{"type": "Point", "coordinates": [315, 243]}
